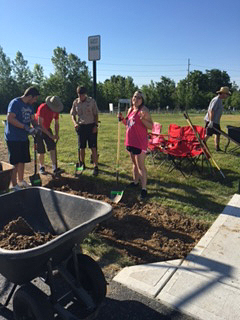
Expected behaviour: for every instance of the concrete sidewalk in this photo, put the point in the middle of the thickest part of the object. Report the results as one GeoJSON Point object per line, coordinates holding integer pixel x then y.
{"type": "Point", "coordinates": [206, 284]}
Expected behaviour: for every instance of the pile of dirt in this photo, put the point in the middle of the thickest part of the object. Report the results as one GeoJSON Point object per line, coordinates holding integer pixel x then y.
{"type": "Point", "coordinates": [144, 231]}
{"type": "Point", "coordinates": [19, 235]}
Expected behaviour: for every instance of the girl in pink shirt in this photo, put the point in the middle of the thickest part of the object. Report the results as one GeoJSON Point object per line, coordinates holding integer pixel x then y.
{"type": "Point", "coordinates": [137, 122]}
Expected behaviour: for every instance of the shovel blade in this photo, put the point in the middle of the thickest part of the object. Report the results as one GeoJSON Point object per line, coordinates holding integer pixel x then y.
{"type": "Point", "coordinates": [116, 196]}
{"type": "Point", "coordinates": [35, 180]}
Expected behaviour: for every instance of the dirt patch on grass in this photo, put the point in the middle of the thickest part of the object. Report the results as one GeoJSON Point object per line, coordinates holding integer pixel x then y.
{"type": "Point", "coordinates": [144, 231]}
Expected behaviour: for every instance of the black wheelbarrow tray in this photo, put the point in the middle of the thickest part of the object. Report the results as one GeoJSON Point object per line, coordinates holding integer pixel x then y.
{"type": "Point", "coordinates": [71, 218]}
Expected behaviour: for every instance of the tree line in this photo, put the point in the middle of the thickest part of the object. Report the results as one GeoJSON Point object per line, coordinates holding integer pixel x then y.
{"type": "Point", "coordinates": [195, 91]}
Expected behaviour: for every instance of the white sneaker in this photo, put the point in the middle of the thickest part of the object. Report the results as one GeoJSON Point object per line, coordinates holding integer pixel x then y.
{"type": "Point", "coordinates": [23, 184]}
{"type": "Point", "coordinates": [16, 188]}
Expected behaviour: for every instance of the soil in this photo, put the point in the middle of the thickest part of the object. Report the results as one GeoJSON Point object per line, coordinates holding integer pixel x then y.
{"type": "Point", "coordinates": [144, 231]}
{"type": "Point", "coordinates": [19, 235]}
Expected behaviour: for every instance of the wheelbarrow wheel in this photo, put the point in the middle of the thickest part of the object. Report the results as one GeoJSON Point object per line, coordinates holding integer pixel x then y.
{"type": "Point", "coordinates": [30, 303]}
{"type": "Point", "coordinates": [91, 277]}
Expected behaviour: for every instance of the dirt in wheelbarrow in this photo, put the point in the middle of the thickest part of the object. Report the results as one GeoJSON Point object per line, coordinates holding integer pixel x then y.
{"type": "Point", "coordinates": [19, 235]}
{"type": "Point", "coordinates": [143, 232]}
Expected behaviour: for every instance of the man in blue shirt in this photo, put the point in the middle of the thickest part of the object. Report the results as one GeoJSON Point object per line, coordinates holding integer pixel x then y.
{"type": "Point", "coordinates": [20, 115]}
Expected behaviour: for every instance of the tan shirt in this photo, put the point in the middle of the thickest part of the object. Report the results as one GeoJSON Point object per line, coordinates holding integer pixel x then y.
{"type": "Point", "coordinates": [86, 111]}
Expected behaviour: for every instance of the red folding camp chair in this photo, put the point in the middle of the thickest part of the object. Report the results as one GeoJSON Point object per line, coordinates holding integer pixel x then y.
{"type": "Point", "coordinates": [182, 148]}
{"type": "Point", "coordinates": [174, 149]}
{"type": "Point", "coordinates": [190, 139]}
{"type": "Point", "coordinates": [156, 141]}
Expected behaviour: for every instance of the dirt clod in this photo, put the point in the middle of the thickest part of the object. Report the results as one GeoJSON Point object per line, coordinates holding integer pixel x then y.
{"type": "Point", "coordinates": [19, 235]}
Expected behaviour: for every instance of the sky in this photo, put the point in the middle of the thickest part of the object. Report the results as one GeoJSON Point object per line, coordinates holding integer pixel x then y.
{"type": "Point", "coordinates": [144, 39]}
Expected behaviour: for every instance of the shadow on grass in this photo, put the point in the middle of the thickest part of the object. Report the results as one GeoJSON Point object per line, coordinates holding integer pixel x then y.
{"type": "Point", "coordinates": [101, 186]}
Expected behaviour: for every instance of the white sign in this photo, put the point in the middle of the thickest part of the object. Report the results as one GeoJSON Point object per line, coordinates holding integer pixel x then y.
{"type": "Point", "coordinates": [94, 48]}
{"type": "Point", "coordinates": [110, 107]}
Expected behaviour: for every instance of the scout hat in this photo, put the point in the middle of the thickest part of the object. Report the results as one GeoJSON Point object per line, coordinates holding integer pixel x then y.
{"type": "Point", "coordinates": [54, 103]}
{"type": "Point", "coordinates": [224, 90]}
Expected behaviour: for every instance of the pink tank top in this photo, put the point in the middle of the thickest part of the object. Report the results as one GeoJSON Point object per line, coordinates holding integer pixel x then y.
{"type": "Point", "coordinates": [136, 133]}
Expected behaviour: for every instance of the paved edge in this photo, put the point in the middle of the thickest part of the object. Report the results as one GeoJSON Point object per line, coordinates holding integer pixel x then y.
{"type": "Point", "coordinates": [157, 280]}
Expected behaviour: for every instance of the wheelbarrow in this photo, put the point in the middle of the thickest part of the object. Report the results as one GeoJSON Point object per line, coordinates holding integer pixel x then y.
{"type": "Point", "coordinates": [233, 135]}
{"type": "Point", "coordinates": [6, 171]}
{"type": "Point", "coordinates": [58, 263]}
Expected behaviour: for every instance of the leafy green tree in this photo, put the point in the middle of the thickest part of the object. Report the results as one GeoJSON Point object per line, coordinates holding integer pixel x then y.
{"type": "Point", "coordinates": [199, 79]}
{"type": "Point", "coordinates": [152, 98]}
{"type": "Point", "coordinates": [217, 79]}
{"type": "Point", "coordinates": [7, 84]}
{"type": "Point", "coordinates": [115, 88]}
{"type": "Point", "coordinates": [165, 90]}
{"type": "Point", "coordinates": [38, 76]}
{"type": "Point", "coordinates": [234, 100]}
{"type": "Point", "coordinates": [21, 72]}
{"type": "Point", "coordinates": [69, 72]}
{"type": "Point", "coordinates": [181, 94]}
{"type": "Point", "coordinates": [60, 62]}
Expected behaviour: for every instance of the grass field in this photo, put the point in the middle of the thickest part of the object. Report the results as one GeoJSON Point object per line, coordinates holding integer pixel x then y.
{"type": "Point", "coordinates": [201, 195]}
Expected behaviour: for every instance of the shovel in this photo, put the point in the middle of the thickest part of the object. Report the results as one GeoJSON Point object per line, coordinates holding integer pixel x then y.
{"type": "Point", "coordinates": [58, 174]}
{"type": "Point", "coordinates": [35, 179]}
{"type": "Point", "coordinates": [79, 168]}
{"type": "Point", "coordinates": [116, 195]}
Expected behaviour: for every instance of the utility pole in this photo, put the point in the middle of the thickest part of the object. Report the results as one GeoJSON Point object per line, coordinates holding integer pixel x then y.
{"type": "Point", "coordinates": [187, 91]}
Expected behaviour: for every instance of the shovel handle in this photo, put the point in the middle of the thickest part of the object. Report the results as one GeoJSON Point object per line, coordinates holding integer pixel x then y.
{"type": "Point", "coordinates": [118, 149]}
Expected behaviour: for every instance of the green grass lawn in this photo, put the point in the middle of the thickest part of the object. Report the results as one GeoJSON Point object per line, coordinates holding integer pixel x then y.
{"type": "Point", "coordinates": [202, 196]}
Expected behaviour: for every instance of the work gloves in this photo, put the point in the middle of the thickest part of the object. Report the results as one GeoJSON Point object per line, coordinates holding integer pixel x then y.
{"type": "Point", "coordinates": [31, 131]}
{"type": "Point", "coordinates": [210, 124]}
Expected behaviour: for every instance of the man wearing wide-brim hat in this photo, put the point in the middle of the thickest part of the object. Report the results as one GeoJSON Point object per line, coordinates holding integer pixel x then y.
{"type": "Point", "coordinates": [213, 116]}
{"type": "Point", "coordinates": [46, 112]}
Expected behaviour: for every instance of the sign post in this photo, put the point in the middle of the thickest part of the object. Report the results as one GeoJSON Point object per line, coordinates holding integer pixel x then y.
{"type": "Point", "coordinates": [94, 55]}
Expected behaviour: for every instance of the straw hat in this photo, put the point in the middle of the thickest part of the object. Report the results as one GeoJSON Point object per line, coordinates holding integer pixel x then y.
{"type": "Point", "coordinates": [224, 90]}
{"type": "Point", "coordinates": [54, 103]}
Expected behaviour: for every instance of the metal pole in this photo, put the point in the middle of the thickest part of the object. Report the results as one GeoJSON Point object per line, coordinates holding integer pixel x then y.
{"type": "Point", "coordinates": [187, 84]}
{"type": "Point", "coordinates": [94, 80]}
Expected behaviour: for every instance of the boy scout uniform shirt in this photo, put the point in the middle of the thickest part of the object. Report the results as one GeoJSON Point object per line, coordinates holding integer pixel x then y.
{"type": "Point", "coordinates": [86, 110]}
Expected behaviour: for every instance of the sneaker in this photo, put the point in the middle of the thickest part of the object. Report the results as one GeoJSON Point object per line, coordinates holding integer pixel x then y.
{"type": "Point", "coordinates": [42, 170]}
{"type": "Point", "coordinates": [16, 188]}
{"type": "Point", "coordinates": [143, 194]}
{"type": "Point", "coordinates": [95, 171]}
{"type": "Point", "coordinates": [82, 164]}
{"type": "Point", "coordinates": [58, 171]}
{"type": "Point", "coordinates": [23, 184]}
{"type": "Point", "coordinates": [133, 184]}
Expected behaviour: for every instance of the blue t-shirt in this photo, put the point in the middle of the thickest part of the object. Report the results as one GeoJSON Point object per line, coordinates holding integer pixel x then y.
{"type": "Point", "coordinates": [23, 114]}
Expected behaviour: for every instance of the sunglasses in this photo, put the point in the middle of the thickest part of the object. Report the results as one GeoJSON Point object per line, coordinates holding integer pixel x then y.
{"type": "Point", "coordinates": [137, 97]}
